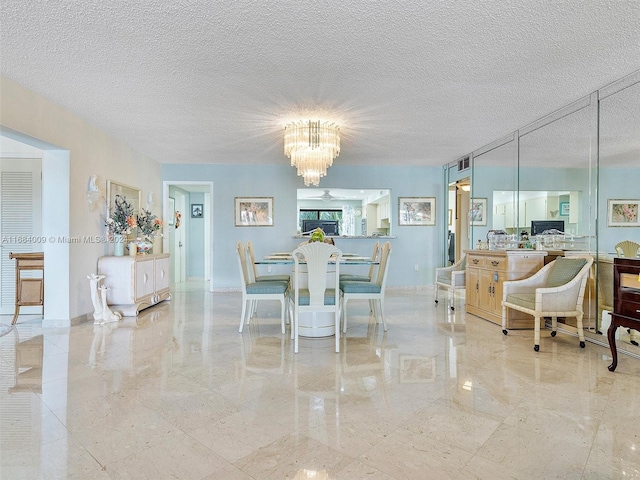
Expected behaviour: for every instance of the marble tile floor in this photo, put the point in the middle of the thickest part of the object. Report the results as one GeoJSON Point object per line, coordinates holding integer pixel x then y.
{"type": "Point", "coordinates": [178, 393]}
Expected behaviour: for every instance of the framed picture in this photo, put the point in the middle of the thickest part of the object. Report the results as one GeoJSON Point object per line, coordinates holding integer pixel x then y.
{"type": "Point", "coordinates": [478, 212]}
{"type": "Point", "coordinates": [196, 210]}
{"type": "Point", "coordinates": [416, 211]}
{"type": "Point", "coordinates": [564, 209]}
{"type": "Point", "coordinates": [171, 212]}
{"type": "Point", "coordinates": [623, 213]}
{"type": "Point", "coordinates": [254, 211]}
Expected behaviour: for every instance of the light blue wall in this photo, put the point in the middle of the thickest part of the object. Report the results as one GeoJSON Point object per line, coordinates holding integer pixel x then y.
{"type": "Point", "coordinates": [414, 245]}
{"type": "Point", "coordinates": [616, 183]}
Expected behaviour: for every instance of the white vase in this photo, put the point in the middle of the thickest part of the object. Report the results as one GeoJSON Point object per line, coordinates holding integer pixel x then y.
{"type": "Point", "coordinates": [118, 245]}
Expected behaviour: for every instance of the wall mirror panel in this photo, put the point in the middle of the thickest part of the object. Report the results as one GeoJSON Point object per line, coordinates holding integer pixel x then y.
{"type": "Point", "coordinates": [619, 179]}
{"type": "Point", "coordinates": [495, 169]}
{"type": "Point", "coordinates": [571, 165]}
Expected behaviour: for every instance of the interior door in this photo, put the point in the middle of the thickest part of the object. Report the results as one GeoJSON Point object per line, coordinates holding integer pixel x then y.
{"type": "Point", "coordinates": [20, 223]}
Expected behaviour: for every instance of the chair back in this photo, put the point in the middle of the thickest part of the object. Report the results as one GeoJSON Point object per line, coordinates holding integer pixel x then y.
{"type": "Point", "coordinates": [628, 249]}
{"type": "Point", "coordinates": [252, 259]}
{"type": "Point", "coordinates": [317, 256]}
{"type": "Point", "coordinates": [385, 254]}
{"type": "Point", "coordinates": [374, 257]}
{"type": "Point", "coordinates": [242, 262]}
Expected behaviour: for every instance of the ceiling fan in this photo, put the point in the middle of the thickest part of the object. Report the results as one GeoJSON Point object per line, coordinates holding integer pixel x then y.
{"type": "Point", "coordinates": [327, 197]}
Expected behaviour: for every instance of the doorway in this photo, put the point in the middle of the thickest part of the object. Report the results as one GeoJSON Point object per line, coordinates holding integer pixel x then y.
{"type": "Point", "coordinates": [188, 229]}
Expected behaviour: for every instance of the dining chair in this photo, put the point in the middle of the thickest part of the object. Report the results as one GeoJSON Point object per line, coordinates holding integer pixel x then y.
{"type": "Point", "coordinates": [254, 291]}
{"type": "Point", "coordinates": [372, 268]}
{"type": "Point", "coordinates": [318, 295]}
{"type": "Point", "coordinates": [254, 269]}
{"type": "Point", "coordinates": [373, 291]}
{"type": "Point", "coordinates": [452, 278]}
{"type": "Point", "coordinates": [556, 290]}
{"type": "Point", "coordinates": [628, 249]}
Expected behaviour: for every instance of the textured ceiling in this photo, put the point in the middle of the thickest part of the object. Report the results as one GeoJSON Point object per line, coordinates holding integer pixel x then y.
{"type": "Point", "coordinates": [421, 82]}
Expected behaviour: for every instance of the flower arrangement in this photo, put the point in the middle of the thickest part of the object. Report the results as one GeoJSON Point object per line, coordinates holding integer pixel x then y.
{"type": "Point", "coordinates": [148, 224]}
{"type": "Point", "coordinates": [121, 220]}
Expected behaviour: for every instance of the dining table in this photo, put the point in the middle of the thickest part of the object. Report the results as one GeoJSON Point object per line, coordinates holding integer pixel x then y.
{"type": "Point", "coordinates": [317, 324]}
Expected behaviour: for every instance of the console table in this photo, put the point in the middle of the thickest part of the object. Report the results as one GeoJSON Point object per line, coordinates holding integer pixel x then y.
{"type": "Point", "coordinates": [135, 283]}
{"type": "Point", "coordinates": [626, 301]}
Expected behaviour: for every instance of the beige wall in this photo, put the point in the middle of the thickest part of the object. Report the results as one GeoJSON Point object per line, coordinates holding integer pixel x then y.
{"type": "Point", "coordinates": [91, 152]}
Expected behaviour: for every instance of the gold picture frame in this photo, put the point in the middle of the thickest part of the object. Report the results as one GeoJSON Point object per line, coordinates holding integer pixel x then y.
{"type": "Point", "coordinates": [253, 211]}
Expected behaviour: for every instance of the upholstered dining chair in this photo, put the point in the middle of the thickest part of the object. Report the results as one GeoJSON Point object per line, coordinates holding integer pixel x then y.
{"type": "Point", "coordinates": [556, 290]}
{"type": "Point", "coordinates": [254, 269]}
{"type": "Point", "coordinates": [452, 278]}
{"type": "Point", "coordinates": [372, 268]}
{"type": "Point", "coordinates": [373, 291]}
{"type": "Point", "coordinates": [254, 291]}
{"type": "Point", "coordinates": [318, 295]}
{"type": "Point", "coordinates": [628, 249]}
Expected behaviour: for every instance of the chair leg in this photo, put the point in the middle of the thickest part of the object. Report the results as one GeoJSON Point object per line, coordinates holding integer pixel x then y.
{"type": "Point", "coordinates": [436, 292]}
{"type": "Point", "coordinates": [504, 320]}
{"type": "Point", "coordinates": [296, 322]}
{"type": "Point", "coordinates": [337, 329]}
{"type": "Point", "coordinates": [244, 311]}
{"type": "Point", "coordinates": [580, 330]}
{"type": "Point", "coordinates": [554, 326]}
{"type": "Point", "coordinates": [384, 324]}
{"type": "Point", "coordinates": [282, 314]}
{"type": "Point", "coordinates": [344, 316]}
{"type": "Point", "coordinates": [536, 334]}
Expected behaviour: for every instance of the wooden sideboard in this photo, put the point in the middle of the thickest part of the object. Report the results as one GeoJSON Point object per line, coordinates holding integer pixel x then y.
{"type": "Point", "coordinates": [487, 270]}
{"type": "Point", "coordinates": [135, 283]}
{"type": "Point", "coordinates": [626, 301]}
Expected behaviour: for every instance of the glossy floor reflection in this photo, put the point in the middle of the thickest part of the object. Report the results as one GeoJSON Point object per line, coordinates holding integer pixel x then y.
{"type": "Point", "coordinates": [179, 393]}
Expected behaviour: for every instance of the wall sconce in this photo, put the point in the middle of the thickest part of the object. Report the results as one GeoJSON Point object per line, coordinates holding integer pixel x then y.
{"type": "Point", "coordinates": [150, 203]}
{"type": "Point", "coordinates": [93, 193]}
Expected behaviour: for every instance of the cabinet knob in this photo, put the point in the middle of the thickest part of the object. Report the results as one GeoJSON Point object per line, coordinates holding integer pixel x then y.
{"type": "Point", "coordinates": [476, 261]}
{"type": "Point", "coordinates": [495, 263]}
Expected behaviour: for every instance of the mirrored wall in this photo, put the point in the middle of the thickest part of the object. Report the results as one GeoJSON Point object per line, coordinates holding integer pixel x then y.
{"type": "Point", "coordinates": [578, 167]}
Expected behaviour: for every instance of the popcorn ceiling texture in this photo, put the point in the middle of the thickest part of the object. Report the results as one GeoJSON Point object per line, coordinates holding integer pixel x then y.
{"type": "Point", "coordinates": [418, 83]}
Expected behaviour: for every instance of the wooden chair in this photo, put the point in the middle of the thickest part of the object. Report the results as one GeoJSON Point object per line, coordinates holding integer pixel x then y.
{"type": "Point", "coordinates": [452, 278]}
{"type": "Point", "coordinates": [254, 291]}
{"type": "Point", "coordinates": [556, 290]}
{"type": "Point", "coordinates": [373, 291]}
{"type": "Point", "coordinates": [317, 296]}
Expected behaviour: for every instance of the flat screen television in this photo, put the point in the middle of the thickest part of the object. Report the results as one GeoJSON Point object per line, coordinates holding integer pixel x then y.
{"type": "Point", "coordinates": [539, 226]}
{"type": "Point", "coordinates": [329, 227]}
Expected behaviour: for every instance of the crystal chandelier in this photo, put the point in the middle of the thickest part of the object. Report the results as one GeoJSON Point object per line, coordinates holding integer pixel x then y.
{"type": "Point", "coordinates": [312, 146]}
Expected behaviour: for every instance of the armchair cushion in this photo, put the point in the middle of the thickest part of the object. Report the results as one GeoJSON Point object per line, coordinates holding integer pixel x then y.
{"type": "Point", "coordinates": [564, 270]}
{"type": "Point", "coordinates": [526, 300]}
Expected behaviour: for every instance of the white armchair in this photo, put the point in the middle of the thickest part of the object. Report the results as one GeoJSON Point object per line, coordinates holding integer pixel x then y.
{"type": "Point", "coordinates": [557, 290]}
{"type": "Point", "coordinates": [452, 278]}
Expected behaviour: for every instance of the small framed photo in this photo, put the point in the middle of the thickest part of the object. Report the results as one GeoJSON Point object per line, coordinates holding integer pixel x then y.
{"type": "Point", "coordinates": [564, 209]}
{"type": "Point", "coordinates": [478, 212]}
{"type": "Point", "coordinates": [196, 210]}
{"type": "Point", "coordinates": [623, 213]}
{"type": "Point", "coordinates": [254, 211]}
{"type": "Point", "coordinates": [416, 211]}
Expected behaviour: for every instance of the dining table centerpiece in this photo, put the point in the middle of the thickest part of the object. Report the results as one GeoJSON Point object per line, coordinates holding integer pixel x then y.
{"type": "Point", "coordinates": [149, 226]}
{"type": "Point", "coordinates": [120, 223]}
